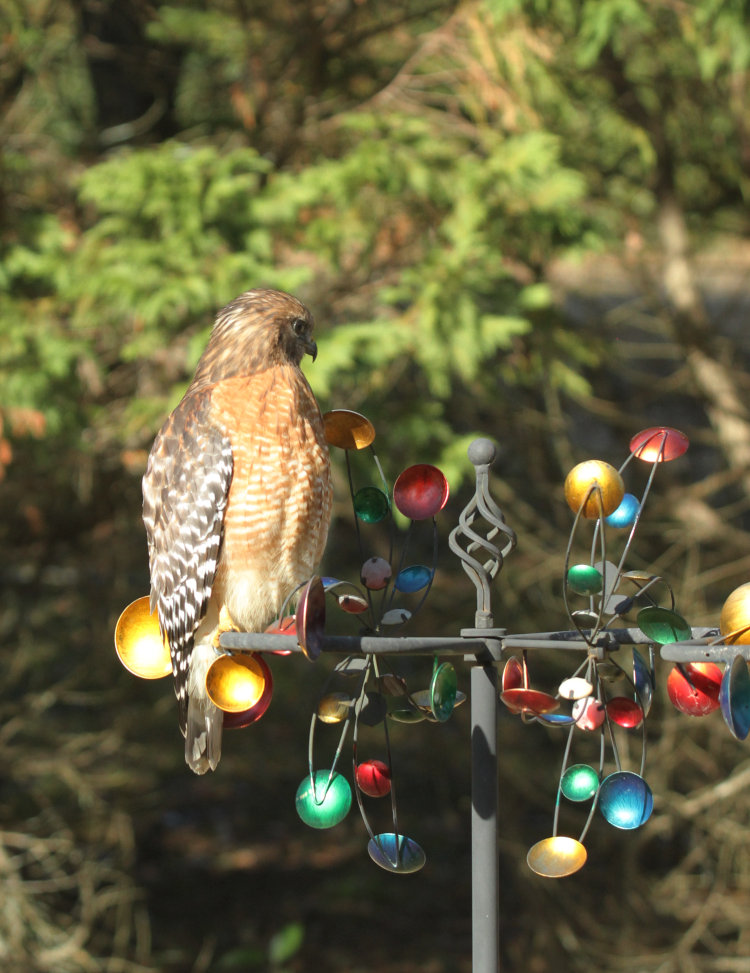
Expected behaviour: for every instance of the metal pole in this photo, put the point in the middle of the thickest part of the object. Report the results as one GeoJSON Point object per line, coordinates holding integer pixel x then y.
{"type": "Point", "coordinates": [485, 879]}
{"type": "Point", "coordinates": [482, 551]}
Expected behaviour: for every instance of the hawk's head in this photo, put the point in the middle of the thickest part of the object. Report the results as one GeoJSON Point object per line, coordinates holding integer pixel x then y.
{"type": "Point", "coordinates": [257, 330]}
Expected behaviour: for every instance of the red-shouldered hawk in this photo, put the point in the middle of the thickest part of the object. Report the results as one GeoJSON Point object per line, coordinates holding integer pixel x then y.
{"type": "Point", "coordinates": [236, 496]}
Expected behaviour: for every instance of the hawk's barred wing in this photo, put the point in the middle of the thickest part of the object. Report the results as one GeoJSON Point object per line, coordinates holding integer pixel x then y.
{"type": "Point", "coordinates": [185, 492]}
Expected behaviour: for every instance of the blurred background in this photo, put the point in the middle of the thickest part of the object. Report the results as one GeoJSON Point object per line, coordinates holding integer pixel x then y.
{"type": "Point", "coordinates": [525, 220]}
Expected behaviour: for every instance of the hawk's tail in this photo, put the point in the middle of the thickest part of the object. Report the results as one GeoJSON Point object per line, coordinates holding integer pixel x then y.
{"type": "Point", "coordinates": [204, 720]}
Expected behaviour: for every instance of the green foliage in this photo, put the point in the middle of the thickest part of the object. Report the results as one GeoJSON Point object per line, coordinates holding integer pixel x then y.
{"type": "Point", "coordinates": [285, 944]}
{"type": "Point", "coordinates": [45, 69]}
{"type": "Point", "coordinates": [442, 207]}
{"type": "Point", "coordinates": [645, 96]}
{"type": "Point", "coordinates": [177, 230]}
{"type": "Point", "coordinates": [175, 235]}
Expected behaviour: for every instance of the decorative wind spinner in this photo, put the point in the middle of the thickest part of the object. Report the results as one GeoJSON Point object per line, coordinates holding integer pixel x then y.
{"type": "Point", "coordinates": [603, 697]}
{"type": "Point", "coordinates": [359, 695]}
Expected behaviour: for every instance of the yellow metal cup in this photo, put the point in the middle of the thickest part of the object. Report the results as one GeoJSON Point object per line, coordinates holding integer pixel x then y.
{"type": "Point", "coordinates": [347, 429]}
{"type": "Point", "coordinates": [235, 683]}
{"type": "Point", "coordinates": [138, 642]}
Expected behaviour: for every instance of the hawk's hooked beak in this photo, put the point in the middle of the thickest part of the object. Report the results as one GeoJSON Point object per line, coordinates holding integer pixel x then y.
{"type": "Point", "coordinates": [311, 348]}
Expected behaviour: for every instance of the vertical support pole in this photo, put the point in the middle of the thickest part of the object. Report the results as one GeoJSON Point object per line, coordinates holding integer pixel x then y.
{"type": "Point", "coordinates": [481, 558]}
{"type": "Point", "coordinates": [485, 879]}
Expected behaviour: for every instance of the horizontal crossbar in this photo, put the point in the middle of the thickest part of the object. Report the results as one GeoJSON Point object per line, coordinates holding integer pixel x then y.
{"type": "Point", "coordinates": [488, 644]}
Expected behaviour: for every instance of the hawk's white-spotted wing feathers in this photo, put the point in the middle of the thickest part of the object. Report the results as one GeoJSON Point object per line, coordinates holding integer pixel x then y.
{"type": "Point", "coordinates": [185, 491]}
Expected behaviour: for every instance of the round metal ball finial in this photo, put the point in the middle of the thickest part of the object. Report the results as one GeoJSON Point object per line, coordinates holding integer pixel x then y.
{"type": "Point", "coordinates": [482, 452]}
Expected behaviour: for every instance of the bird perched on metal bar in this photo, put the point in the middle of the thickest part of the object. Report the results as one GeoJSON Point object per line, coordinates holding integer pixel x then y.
{"type": "Point", "coordinates": [236, 497]}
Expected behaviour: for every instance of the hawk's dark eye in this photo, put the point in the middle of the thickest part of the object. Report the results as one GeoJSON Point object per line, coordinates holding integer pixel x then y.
{"type": "Point", "coordinates": [299, 326]}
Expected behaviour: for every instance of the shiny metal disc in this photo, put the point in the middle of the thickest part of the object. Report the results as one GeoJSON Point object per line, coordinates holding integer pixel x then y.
{"type": "Point", "coordinates": [396, 853]}
{"type": "Point", "coordinates": [579, 782]}
{"type": "Point", "coordinates": [353, 665]}
{"type": "Point", "coordinates": [643, 681]}
{"type": "Point", "coordinates": [529, 701]}
{"type": "Point", "coordinates": [575, 688]}
{"type": "Point", "coordinates": [393, 685]}
{"type": "Point", "coordinates": [323, 799]}
{"type": "Point", "coordinates": [659, 444]}
{"type": "Point", "coordinates": [371, 505]}
{"type": "Point", "coordinates": [420, 492]}
{"type": "Point", "coordinates": [556, 857]}
{"type": "Point", "coordinates": [625, 800]}
{"type": "Point", "coordinates": [734, 697]}
{"type": "Point", "coordinates": [588, 713]}
{"type": "Point", "coordinates": [395, 616]}
{"type": "Point", "coordinates": [238, 721]}
{"type": "Point", "coordinates": [595, 488]}
{"type": "Point", "coordinates": [414, 578]}
{"type": "Point", "coordinates": [422, 699]}
{"type": "Point", "coordinates": [311, 618]}
{"type": "Point", "coordinates": [283, 626]}
{"type": "Point", "coordinates": [585, 619]}
{"type": "Point", "coordinates": [695, 687]}
{"type": "Point", "coordinates": [513, 674]}
{"type": "Point", "coordinates": [406, 714]}
{"type": "Point", "coordinates": [375, 573]}
{"type": "Point", "coordinates": [373, 777]}
{"type": "Point", "coordinates": [663, 625]}
{"type": "Point", "coordinates": [138, 642]}
{"type": "Point", "coordinates": [584, 579]}
{"type": "Point", "coordinates": [734, 621]}
{"type": "Point", "coordinates": [334, 707]}
{"type": "Point", "coordinates": [625, 712]}
{"type": "Point", "coordinates": [624, 516]}
{"type": "Point", "coordinates": [555, 719]}
{"type": "Point", "coordinates": [443, 692]}
{"type": "Point", "coordinates": [236, 683]}
{"type": "Point", "coordinates": [370, 709]}
{"type": "Point", "coordinates": [347, 429]}
{"type": "Point", "coordinates": [353, 604]}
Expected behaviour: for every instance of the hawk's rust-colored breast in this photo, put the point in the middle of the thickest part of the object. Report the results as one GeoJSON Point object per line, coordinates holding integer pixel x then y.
{"type": "Point", "coordinates": [279, 503]}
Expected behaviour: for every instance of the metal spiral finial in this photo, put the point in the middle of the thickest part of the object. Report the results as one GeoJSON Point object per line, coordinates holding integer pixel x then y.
{"type": "Point", "coordinates": [469, 545]}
